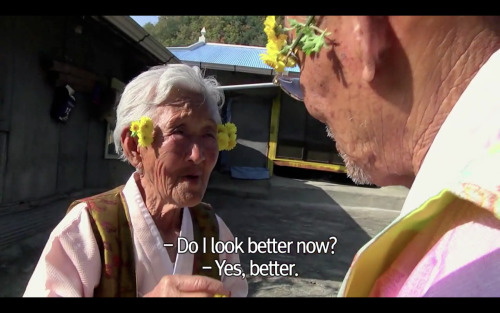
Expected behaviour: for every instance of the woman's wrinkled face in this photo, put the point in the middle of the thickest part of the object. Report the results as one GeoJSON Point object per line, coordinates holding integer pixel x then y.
{"type": "Point", "coordinates": [184, 151]}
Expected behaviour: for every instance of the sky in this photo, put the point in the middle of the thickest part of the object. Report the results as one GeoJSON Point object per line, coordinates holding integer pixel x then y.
{"type": "Point", "coordinates": [144, 19]}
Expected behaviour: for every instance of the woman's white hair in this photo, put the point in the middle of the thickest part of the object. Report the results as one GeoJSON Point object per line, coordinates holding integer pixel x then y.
{"type": "Point", "coordinates": [144, 93]}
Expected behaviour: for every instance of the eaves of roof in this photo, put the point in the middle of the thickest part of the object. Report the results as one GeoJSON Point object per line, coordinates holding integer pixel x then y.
{"type": "Point", "coordinates": [226, 57]}
{"type": "Point", "coordinates": [138, 34]}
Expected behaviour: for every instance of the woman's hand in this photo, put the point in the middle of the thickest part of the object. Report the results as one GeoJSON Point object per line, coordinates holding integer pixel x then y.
{"type": "Point", "coordinates": [188, 286]}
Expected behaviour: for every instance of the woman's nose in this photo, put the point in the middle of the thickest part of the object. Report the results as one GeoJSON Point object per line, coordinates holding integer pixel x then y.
{"type": "Point", "coordinates": [196, 153]}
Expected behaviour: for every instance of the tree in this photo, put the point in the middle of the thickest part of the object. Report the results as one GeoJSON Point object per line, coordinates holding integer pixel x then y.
{"type": "Point", "coordinates": [181, 31]}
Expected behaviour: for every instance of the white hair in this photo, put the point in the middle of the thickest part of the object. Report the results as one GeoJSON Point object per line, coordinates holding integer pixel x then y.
{"type": "Point", "coordinates": [144, 93]}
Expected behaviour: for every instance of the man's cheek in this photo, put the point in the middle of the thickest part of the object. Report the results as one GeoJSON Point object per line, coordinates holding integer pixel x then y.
{"type": "Point", "coordinates": [314, 110]}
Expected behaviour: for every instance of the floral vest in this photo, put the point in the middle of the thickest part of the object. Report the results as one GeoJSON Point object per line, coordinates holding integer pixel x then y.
{"type": "Point", "coordinates": [111, 226]}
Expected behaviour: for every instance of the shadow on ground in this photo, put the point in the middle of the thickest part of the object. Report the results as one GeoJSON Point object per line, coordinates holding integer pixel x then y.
{"type": "Point", "coordinates": [317, 175]}
{"type": "Point", "coordinates": [293, 213]}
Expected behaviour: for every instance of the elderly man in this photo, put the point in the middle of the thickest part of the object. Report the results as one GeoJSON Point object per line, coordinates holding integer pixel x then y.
{"type": "Point", "coordinates": [414, 101]}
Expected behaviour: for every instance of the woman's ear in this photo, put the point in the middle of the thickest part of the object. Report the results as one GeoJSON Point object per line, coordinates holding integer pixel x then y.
{"type": "Point", "coordinates": [130, 148]}
{"type": "Point", "coordinates": [372, 32]}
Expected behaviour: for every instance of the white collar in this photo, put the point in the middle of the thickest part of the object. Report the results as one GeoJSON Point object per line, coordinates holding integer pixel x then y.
{"type": "Point", "coordinates": [148, 239]}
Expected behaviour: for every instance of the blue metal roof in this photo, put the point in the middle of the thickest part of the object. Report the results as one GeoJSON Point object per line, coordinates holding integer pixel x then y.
{"type": "Point", "coordinates": [224, 54]}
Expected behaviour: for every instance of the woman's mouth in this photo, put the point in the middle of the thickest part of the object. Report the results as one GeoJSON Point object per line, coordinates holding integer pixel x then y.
{"type": "Point", "coordinates": [191, 178]}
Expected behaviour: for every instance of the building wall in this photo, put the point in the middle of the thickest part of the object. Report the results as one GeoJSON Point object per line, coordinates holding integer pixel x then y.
{"type": "Point", "coordinates": [251, 114]}
{"type": "Point", "coordinates": [40, 157]}
{"type": "Point", "coordinates": [250, 110]}
{"type": "Point", "coordinates": [302, 137]}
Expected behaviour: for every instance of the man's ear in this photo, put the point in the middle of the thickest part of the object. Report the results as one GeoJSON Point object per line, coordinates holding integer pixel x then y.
{"type": "Point", "coordinates": [130, 148]}
{"type": "Point", "coordinates": [372, 32]}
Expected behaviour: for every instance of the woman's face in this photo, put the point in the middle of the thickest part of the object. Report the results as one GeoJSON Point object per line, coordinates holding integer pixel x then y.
{"type": "Point", "coordinates": [184, 151]}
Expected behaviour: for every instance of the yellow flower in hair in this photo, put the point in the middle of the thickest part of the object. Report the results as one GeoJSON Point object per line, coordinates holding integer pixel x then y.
{"type": "Point", "coordinates": [145, 140]}
{"type": "Point", "coordinates": [221, 128]}
{"type": "Point", "coordinates": [222, 140]}
{"type": "Point", "coordinates": [134, 128]}
{"type": "Point", "coordinates": [143, 130]}
{"type": "Point", "coordinates": [231, 128]}
{"type": "Point", "coordinates": [146, 125]}
{"type": "Point", "coordinates": [231, 131]}
{"type": "Point", "coordinates": [226, 136]}
{"type": "Point", "coordinates": [231, 144]}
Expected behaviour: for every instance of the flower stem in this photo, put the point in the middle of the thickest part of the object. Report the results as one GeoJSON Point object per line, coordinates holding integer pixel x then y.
{"type": "Point", "coordinates": [301, 32]}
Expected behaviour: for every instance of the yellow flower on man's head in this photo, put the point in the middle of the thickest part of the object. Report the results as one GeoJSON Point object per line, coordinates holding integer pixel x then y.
{"type": "Point", "coordinates": [275, 43]}
{"type": "Point", "coordinates": [274, 58]}
{"type": "Point", "coordinates": [269, 25]}
{"type": "Point", "coordinates": [287, 61]}
{"type": "Point", "coordinates": [269, 60]}
{"type": "Point", "coordinates": [280, 41]}
{"type": "Point", "coordinates": [269, 31]}
{"type": "Point", "coordinates": [312, 41]}
{"type": "Point", "coordinates": [270, 21]}
{"type": "Point", "coordinates": [272, 61]}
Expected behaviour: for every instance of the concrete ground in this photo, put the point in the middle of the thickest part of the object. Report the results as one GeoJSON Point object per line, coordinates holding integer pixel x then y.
{"type": "Point", "coordinates": [280, 209]}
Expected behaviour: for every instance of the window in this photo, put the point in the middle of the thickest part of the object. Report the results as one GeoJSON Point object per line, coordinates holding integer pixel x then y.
{"type": "Point", "coordinates": [109, 145]}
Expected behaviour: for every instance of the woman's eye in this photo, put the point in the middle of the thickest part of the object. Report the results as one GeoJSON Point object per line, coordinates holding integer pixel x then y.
{"type": "Point", "coordinates": [178, 131]}
{"type": "Point", "coordinates": [211, 134]}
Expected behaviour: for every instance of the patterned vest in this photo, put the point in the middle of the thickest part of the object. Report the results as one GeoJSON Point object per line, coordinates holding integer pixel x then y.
{"type": "Point", "coordinates": [111, 226]}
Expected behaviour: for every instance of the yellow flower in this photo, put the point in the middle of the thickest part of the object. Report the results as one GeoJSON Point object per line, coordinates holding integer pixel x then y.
{"type": "Point", "coordinates": [231, 128]}
{"type": "Point", "coordinates": [275, 44]}
{"type": "Point", "coordinates": [222, 140]}
{"type": "Point", "coordinates": [268, 60]}
{"type": "Point", "coordinates": [145, 140]}
{"type": "Point", "coordinates": [226, 136]}
{"type": "Point", "coordinates": [272, 59]}
{"type": "Point", "coordinates": [134, 128]}
{"type": "Point", "coordinates": [217, 295]}
{"type": "Point", "coordinates": [289, 62]}
{"type": "Point", "coordinates": [146, 125]}
{"type": "Point", "coordinates": [231, 144]}
{"type": "Point", "coordinates": [312, 40]}
{"type": "Point", "coordinates": [270, 22]}
{"type": "Point", "coordinates": [143, 130]}
{"type": "Point", "coordinates": [221, 128]}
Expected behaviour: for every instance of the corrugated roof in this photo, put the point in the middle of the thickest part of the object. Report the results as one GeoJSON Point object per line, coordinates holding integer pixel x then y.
{"type": "Point", "coordinates": [226, 55]}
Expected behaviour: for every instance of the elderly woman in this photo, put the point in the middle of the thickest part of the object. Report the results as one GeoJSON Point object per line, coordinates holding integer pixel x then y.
{"type": "Point", "coordinates": [124, 242]}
